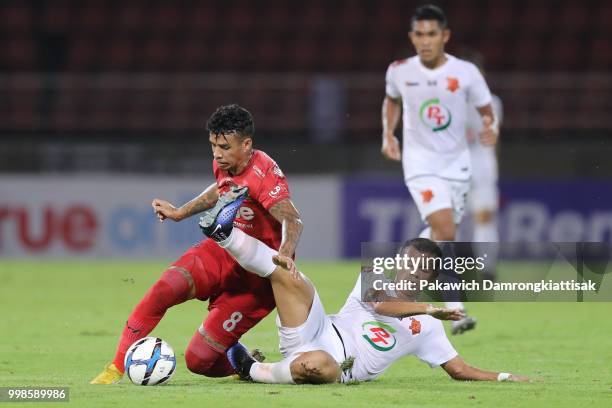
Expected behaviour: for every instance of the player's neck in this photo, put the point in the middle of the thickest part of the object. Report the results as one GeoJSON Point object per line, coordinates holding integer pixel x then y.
{"type": "Point", "coordinates": [436, 63]}
{"type": "Point", "coordinates": [242, 165]}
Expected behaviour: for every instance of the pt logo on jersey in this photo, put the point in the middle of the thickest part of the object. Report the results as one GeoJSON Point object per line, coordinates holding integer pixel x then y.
{"type": "Point", "coordinates": [379, 335]}
{"type": "Point", "coordinates": [435, 115]}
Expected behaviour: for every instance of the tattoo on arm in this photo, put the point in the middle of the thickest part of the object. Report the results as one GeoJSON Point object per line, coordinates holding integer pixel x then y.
{"type": "Point", "coordinates": [204, 201]}
{"type": "Point", "coordinates": [285, 212]}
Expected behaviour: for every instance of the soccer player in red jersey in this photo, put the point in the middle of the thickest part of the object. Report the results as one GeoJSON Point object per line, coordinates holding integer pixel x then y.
{"type": "Point", "coordinates": [238, 300]}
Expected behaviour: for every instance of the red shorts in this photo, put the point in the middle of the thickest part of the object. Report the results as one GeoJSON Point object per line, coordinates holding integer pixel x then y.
{"type": "Point", "coordinates": [238, 299]}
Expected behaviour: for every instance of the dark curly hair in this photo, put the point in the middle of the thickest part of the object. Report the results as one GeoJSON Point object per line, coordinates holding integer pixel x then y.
{"type": "Point", "coordinates": [229, 119]}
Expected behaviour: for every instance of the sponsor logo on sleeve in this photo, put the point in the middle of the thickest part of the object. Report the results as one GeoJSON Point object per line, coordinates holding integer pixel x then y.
{"type": "Point", "coordinates": [274, 192]}
{"type": "Point", "coordinates": [278, 171]}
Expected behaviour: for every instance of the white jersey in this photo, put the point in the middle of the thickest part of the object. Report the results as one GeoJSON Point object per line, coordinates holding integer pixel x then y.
{"type": "Point", "coordinates": [377, 341]}
{"type": "Point", "coordinates": [435, 104]}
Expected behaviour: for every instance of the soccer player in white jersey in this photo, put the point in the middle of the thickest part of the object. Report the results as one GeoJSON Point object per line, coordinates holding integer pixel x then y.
{"type": "Point", "coordinates": [431, 92]}
{"type": "Point", "coordinates": [358, 343]}
{"type": "Point", "coordinates": [483, 200]}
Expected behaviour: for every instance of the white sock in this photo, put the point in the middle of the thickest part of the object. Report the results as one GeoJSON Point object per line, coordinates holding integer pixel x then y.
{"type": "Point", "coordinates": [486, 232]}
{"type": "Point", "coordinates": [486, 237]}
{"type": "Point", "coordinates": [426, 233]}
{"type": "Point", "coordinates": [252, 254]}
{"type": "Point", "coordinates": [454, 305]}
{"type": "Point", "coordinates": [273, 373]}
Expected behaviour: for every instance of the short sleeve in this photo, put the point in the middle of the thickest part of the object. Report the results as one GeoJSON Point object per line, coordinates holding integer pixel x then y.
{"type": "Point", "coordinates": [273, 188]}
{"type": "Point", "coordinates": [391, 87]}
{"type": "Point", "coordinates": [478, 91]}
{"type": "Point", "coordinates": [435, 349]}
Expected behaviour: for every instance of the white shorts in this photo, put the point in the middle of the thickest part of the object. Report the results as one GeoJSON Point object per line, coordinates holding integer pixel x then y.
{"type": "Point", "coordinates": [484, 194]}
{"type": "Point", "coordinates": [432, 193]}
{"type": "Point", "coordinates": [316, 333]}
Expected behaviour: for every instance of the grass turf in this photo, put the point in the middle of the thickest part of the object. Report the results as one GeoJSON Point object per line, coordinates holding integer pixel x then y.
{"type": "Point", "coordinates": [60, 323]}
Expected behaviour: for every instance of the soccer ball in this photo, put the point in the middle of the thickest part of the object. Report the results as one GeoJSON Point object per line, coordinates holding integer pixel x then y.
{"type": "Point", "coordinates": [149, 361]}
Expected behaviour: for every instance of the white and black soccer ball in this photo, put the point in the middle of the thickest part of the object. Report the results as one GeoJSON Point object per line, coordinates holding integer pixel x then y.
{"type": "Point", "coordinates": [150, 361]}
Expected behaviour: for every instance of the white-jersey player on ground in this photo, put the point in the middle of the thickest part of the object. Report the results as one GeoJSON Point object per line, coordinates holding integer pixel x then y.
{"type": "Point", "coordinates": [432, 92]}
{"type": "Point", "coordinates": [358, 343]}
{"type": "Point", "coordinates": [483, 200]}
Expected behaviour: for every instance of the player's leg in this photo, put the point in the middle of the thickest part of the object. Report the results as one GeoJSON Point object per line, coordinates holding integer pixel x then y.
{"type": "Point", "coordinates": [195, 274]}
{"type": "Point", "coordinates": [442, 225]}
{"type": "Point", "coordinates": [311, 367]}
{"type": "Point", "coordinates": [484, 202]}
{"type": "Point", "coordinates": [293, 297]}
{"type": "Point", "coordinates": [206, 356]}
{"type": "Point", "coordinates": [175, 286]}
{"type": "Point", "coordinates": [231, 314]}
{"type": "Point", "coordinates": [441, 204]}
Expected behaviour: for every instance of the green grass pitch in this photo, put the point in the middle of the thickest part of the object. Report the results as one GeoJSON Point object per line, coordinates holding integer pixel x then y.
{"type": "Point", "coordinates": [60, 322]}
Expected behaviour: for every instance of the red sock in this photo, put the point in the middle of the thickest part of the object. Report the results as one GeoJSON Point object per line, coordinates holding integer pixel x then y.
{"type": "Point", "coordinates": [202, 358]}
{"type": "Point", "coordinates": [171, 289]}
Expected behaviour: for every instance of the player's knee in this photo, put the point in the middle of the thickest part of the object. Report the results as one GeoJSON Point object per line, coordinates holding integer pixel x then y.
{"type": "Point", "coordinates": [315, 367]}
{"type": "Point", "coordinates": [484, 217]}
{"type": "Point", "coordinates": [196, 364]}
{"type": "Point", "coordinates": [455, 369]}
{"type": "Point", "coordinates": [180, 280]}
{"type": "Point", "coordinates": [201, 361]}
{"type": "Point", "coordinates": [443, 232]}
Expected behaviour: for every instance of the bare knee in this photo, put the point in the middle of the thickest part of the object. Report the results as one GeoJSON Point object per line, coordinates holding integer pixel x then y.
{"type": "Point", "coordinates": [443, 232]}
{"type": "Point", "coordinates": [442, 225]}
{"type": "Point", "coordinates": [315, 367]}
{"type": "Point", "coordinates": [484, 217]}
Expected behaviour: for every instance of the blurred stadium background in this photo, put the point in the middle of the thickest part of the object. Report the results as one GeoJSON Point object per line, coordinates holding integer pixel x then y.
{"type": "Point", "coordinates": [103, 105]}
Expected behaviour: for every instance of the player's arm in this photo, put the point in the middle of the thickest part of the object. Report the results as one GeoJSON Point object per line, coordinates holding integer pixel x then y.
{"type": "Point", "coordinates": [285, 212]}
{"type": "Point", "coordinates": [391, 113]}
{"type": "Point", "coordinates": [490, 125]}
{"type": "Point", "coordinates": [163, 209]}
{"type": "Point", "coordinates": [458, 369]}
{"type": "Point", "coordinates": [401, 309]}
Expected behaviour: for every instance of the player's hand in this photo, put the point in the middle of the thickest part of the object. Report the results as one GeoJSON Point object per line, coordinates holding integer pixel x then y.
{"type": "Point", "coordinates": [518, 378]}
{"type": "Point", "coordinates": [489, 132]}
{"type": "Point", "coordinates": [391, 148]}
{"type": "Point", "coordinates": [286, 262]}
{"type": "Point", "coordinates": [441, 313]}
{"type": "Point", "coordinates": [163, 209]}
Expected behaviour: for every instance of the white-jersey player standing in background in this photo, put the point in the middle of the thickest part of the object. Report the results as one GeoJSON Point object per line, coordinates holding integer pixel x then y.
{"type": "Point", "coordinates": [483, 200]}
{"type": "Point", "coordinates": [432, 92]}
{"type": "Point", "coordinates": [361, 341]}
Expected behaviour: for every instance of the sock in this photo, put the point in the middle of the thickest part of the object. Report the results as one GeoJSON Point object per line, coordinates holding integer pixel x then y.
{"type": "Point", "coordinates": [171, 289]}
{"type": "Point", "coordinates": [201, 358]}
{"type": "Point", "coordinates": [273, 373]}
{"type": "Point", "coordinates": [454, 305]}
{"type": "Point", "coordinates": [486, 232]}
{"type": "Point", "coordinates": [486, 238]}
{"type": "Point", "coordinates": [252, 254]}
{"type": "Point", "coordinates": [426, 233]}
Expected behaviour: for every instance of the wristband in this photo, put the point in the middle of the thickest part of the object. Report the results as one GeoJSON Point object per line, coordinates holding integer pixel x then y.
{"type": "Point", "coordinates": [503, 376]}
{"type": "Point", "coordinates": [495, 124]}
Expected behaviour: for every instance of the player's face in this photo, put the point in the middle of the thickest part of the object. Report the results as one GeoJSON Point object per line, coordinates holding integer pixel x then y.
{"type": "Point", "coordinates": [230, 151]}
{"type": "Point", "coordinates": [429, 39]}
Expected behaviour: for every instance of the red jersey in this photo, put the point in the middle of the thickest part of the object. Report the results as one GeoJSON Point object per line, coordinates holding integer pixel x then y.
{"type": "Point", "coordinates": [267, 186]}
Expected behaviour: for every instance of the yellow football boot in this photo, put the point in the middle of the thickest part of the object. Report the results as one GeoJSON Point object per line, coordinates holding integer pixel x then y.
{"type": "Point", "coordinates": [110, 375]}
